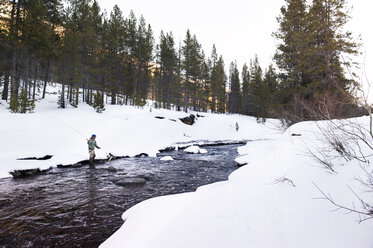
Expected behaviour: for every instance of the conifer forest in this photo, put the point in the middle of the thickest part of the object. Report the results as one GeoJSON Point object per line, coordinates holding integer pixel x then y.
{"type": "Point", "coordinates": [103, 58]}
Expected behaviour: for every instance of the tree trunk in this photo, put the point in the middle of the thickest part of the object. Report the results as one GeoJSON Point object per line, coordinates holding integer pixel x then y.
{"type": "Point", "coordinates": [6, 87]}
{"type": "Point", "coordinates": [84, 94]}
{"type": "Point", "coordinates": [113, 98]}
{"type": "Point", "coordinates": [46, 76]}
{"type": "Point", "coordinates": [14, 78]}
{"type": "Point", "coordinates": [77, 96]}
{"type": "Point", "coordinates": [90, 96]}
{"type": "Point", "coordinates": [62, 103]}
{"type": "Point", "coordinates": [26, 80]}
{"type": "Point", "coordinates": [70, 93]}
{"type": "Point", "coordinates": [35, 77]}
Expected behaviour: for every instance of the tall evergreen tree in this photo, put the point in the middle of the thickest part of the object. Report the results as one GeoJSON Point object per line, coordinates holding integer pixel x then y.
{"type": "Point", "coordinates": [144, 56]}
{"type": "Point", "coordinates": [270, 82]}
{"type": "Point", "coordinates": [235, 89]}
{"type": "Point", "coordinates": [114, 36]}
{"type": "Point", "coordinates": [221, 83]}
{"type": "Point", "coordinates": [326, 21]}
{"type": "Point", "coordinates": [258, 90]}
{"type": "Point", "coordinates": [213, 79]}
{"type": "Point", "coordinates": [291, 57]}
{"type": "Point", "coordinates": [168, 70]}
{"type": "Point", "coordinates": [245, 109]}
{"type": "Point", "coordinates": [310, 56]}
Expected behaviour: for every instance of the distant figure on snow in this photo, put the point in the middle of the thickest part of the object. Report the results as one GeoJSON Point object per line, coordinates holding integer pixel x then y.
{"type": "Point", "coordinates": [91, 148]}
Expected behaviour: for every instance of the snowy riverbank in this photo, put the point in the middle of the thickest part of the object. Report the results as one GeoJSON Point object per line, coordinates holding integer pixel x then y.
{"type": "Point", "coordinates": [273, 201]}
{"type": "Point", "coordinates": [120, 130]}
{"type": "Point", "coordinates": [270, 202]}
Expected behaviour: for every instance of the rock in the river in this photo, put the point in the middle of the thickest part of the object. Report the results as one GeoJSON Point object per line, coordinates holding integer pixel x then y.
{"type": "Point", "coordinates": [202, 151]}
{"type": "Point", "coordinates": [195, 150]}
{"type": "Point", "coordinates": [167, 149]}
{"type": "Point", "coordinates": [131, 181]}
{"type": "Point", "coordinates": [141, 155]}
{"type": "Point", "coordinates": [111, 169]}
{"type": "Point", "coordinates": [28, 172]}
{"type": "Point", "coordinates": [166, 158]}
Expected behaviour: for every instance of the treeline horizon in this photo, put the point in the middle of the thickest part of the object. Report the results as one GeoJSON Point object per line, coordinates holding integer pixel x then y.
{"type": "Point", "coordinates": [91, 54]}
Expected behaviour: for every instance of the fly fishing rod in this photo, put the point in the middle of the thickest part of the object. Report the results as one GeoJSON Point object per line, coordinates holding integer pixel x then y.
{"type": "Point", "coordinates": [108, 155]}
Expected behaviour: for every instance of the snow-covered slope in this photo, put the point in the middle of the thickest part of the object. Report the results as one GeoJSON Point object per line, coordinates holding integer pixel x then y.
{"type": "Point", "coordinates": [120, 130]}
{"type": "Point", "coordinates": [273, 201]}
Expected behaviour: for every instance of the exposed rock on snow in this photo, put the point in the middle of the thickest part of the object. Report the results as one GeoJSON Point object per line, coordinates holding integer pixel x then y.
{"type": "Point", "coordinates": [46, 157]}
{"type": "Point", "coordinates": [167, 158]}
{"type": "Point", "coordinates": [189, 120]}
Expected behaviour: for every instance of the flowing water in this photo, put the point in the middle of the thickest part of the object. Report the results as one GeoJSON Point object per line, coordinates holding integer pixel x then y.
{"type": "Point", "coordinates": [81, 207]}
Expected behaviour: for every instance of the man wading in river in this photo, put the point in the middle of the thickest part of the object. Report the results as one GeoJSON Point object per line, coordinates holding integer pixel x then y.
{"type": "Point", "coordinates": [91, 148]}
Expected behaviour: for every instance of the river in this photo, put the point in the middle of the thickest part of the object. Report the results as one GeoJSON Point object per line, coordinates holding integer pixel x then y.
{"type": "Point", "coordinates": [81, 207]}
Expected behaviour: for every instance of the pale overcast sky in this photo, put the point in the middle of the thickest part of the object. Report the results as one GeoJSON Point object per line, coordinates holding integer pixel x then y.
{"type": "Point", "coordinates": [239, 28]}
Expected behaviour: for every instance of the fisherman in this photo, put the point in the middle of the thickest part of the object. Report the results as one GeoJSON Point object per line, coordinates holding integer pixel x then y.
{"type": "Point", "coordinates": [91, 148]}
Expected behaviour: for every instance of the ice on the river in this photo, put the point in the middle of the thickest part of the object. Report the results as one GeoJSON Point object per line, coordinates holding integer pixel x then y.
{"type": "Point", "coordinates": [195, 150]}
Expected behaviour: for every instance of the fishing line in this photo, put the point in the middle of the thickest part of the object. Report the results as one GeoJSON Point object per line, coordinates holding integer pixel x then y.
{"type": "Point", "coordinates": [108, 154]}
{"type": "Point", "coordinates": [71, 127]}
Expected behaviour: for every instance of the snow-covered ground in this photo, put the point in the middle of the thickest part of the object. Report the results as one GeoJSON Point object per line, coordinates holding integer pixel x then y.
{"type": "Point", "coordinates": [272, 201]}
{"type": "Point", "coordinates": [120, 130]}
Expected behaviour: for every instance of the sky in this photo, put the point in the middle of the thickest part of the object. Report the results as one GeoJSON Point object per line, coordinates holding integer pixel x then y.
{"type": "Point", "coordinates": [240, 29]}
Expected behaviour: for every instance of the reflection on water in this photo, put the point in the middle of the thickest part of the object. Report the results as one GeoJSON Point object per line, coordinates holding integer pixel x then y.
{"type": "Point", "coordinates": [81, 207]}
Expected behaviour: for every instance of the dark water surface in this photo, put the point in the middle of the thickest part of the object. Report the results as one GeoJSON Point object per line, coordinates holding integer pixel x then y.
{"type": "Point", "coordinates": [81, 207]}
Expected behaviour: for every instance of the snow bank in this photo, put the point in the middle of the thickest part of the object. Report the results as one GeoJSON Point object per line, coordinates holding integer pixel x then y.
{"type": "Point", "coordinates": [272, 201]}
{"type": "Point", "coordinates": [120, 130]}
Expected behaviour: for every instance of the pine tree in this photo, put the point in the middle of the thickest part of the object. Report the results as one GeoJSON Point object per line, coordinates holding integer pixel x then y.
{"type": "Point", "coordinates": [144, 55]}
{"type": "Point", "coordinates": [258, 91]}
{"type": "Point", "coordinates": [14, 104]}
{"type": "Point", "coordinates": [235, 89]}
{"type": "Point", "coordinates": [114, 57]}
{"type": "Point", "coordinates": [193, 58]}
{"type": "Point", "coordinates": [310, 55]}
{"type": "Point", "coordinates": [291, 55]}
{"type": "Point", "coordinates": [98, 102]}
{"type": "Point", "coordinates": [271, 84]}
{"type": "Point", "coordinates": [213, 79]}
{"type": "Point", "coordinates": [22, 104]}
{"type": "Point", "coordinates": [221, 81]}
{"type": "Point", "coordinates": [168, 70]}
{"type": "Point", "coordinates": [245, 109]}
{"type": "Point", "coordinates": [25, 105]}
{"type": "Point", "coordinates": [187, 65]}
{"type": "Point", "coordinates": [326, 21]}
